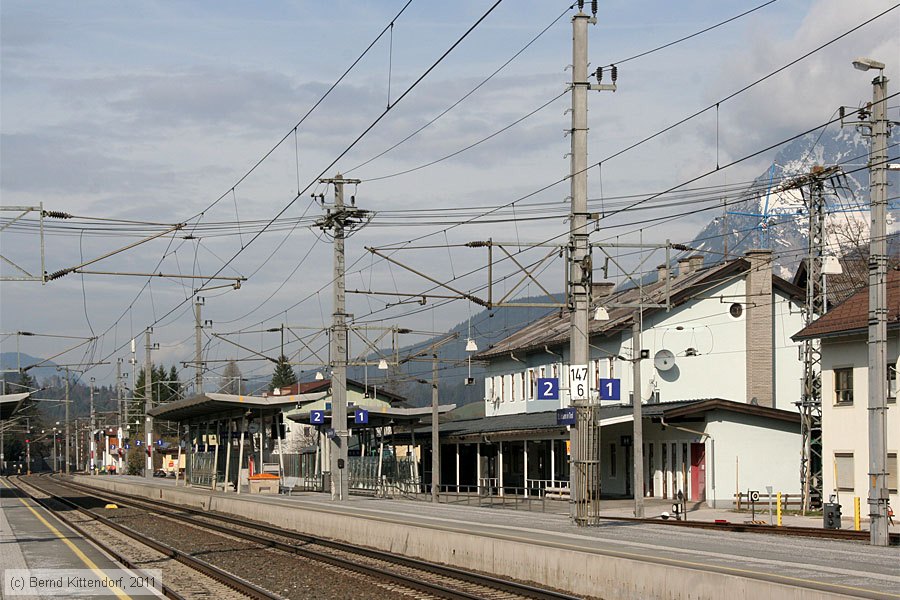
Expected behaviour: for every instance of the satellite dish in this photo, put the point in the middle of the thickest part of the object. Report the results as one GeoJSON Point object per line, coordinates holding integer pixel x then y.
{"type": "Point", "coordinates": [664, 360]}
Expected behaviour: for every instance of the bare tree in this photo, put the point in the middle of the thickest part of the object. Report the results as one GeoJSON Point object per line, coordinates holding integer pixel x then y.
{"type": "Point", "coordinates": [232, 375]}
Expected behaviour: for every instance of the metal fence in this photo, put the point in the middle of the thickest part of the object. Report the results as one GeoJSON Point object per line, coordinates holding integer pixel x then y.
{"type": "Point", "coordinates": [550, 499]}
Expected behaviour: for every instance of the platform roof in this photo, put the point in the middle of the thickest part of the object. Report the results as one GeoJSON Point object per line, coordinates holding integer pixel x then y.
{"type": "Point", "coordinates": [378, 417]}
{"type": "Point", "coordinates": [211, 406]}
{"type": "Point", "coordinates": [12, 403]}
{"type": "Point", "coordinates": [524, 423]}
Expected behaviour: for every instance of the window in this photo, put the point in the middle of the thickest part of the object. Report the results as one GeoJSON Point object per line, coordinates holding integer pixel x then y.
{"type": "Point", "coordinates": [512, 387]}
{"type": "Point", "coordinates": [532, 384]}
{"type": "Point", "coordinates": [522, 379]}
{"type": "Point", "coordinates": [843, 462]}
{"type": "Point", "coordinates": [892, 382]}
{"type": "Point", "coordinates": [892, 465]}
{"type": "Point", "coordinates": [843, 386]}
{"type": "Point", "coordinates": [612, 460]}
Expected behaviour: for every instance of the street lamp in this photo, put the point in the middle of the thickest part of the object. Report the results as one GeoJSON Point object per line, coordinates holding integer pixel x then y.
{"type": "Point", "coordinates": [864, 64]}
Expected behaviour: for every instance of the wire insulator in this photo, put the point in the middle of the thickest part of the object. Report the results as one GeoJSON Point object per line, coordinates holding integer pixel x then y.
{"type": "Point", "coordinates": [58, 274]}
{"type": "Point", "coordinates": [55, 214]}
{"type": "Point", "coordinates": [841, 112]}
{"type": "Point", "coordinates": [594, 7]}
{"type": "Point", "coordinates": [599, 74]}
{"type": "Point", "coordinates": [614, 71]}
{"type": "Point", "coordinates": [580, 5]}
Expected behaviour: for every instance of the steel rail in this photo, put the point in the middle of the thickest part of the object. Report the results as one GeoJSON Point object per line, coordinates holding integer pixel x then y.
{"type": "Point", "coordinates": [230, 580]}
{"type": "Point", "coordinates": [487, 581]}
{"type": "Point", "coordinates": [788, 530]}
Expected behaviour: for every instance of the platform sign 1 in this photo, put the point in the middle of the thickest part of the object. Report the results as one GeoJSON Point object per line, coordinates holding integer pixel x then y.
{"type": "Point", "coordinates": [610, 389]}
{"type": "Point", "coordinates": [565, 416]}
{"type": "Point", "coordinates": [128, 446]}
{"type": "Point", "coordinates": [317, 417]}
{"type": "Point", "coordinates": [159, 442]}
{"type": "Point", "coordinates": [548, 388]}
{"type": "Point", "coordinates": [361, 416]}
{"type": "Point", "coordinates": [579, 389]}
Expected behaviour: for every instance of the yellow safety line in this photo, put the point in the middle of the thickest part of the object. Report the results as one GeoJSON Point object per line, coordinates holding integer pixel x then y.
{"type": "Point", "coordinates": [75, 549]}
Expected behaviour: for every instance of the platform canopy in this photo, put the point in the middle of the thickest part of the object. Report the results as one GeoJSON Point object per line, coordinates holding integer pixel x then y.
{"type": "Point", "coordinates": [10, 404]}
{"type": "Point", "coordinates": [378, 417]}
{"type": "Point", "coordinates": [210, 406]}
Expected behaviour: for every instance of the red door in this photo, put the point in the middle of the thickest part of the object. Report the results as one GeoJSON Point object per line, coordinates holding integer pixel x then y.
{"type": "Point", "coordinates": [698, 472]}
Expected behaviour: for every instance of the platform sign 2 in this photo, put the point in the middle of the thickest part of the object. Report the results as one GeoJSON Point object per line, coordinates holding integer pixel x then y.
{"type": "Point", "coordinates": [317, 417]}
{"type": "Point", "coordinates": [361, 416]}
{"type": "Point", "coordinates": [138, 442]}
{"type": "Point", "coordinates": [548, 388]}
{"type": "Point", "coordinates": [610, 389]}
{"type": "Point", "coordinates": [579, 389]}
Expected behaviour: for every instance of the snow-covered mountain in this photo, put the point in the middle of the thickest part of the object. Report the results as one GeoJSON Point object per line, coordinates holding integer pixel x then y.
{"type": "Point", "coordinates": [766, 215]}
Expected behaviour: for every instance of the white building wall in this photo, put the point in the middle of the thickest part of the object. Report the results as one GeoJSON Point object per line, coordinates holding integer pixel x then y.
{"type": "Point", "coordinates": [845, 429]}
{"type": "Point", "coordinates": [714, 368]}
{"type": "Point", "coordinates": [750, 453]}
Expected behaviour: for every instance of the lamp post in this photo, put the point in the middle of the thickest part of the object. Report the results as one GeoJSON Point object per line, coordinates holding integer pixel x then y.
{"type": "Point", "coordinates": [877, 342]}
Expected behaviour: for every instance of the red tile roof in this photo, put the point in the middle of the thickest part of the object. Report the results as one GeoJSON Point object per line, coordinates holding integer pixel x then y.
{"type": "Point", "coordinates": [852, 315]}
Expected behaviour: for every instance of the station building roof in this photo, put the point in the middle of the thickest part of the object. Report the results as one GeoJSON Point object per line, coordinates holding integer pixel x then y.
{"type": "Point", "coordinates": [553, 329]}
{"type": "Point", "coordinates": [212, 406]}
{"type": "Point", "coordinates": [13, 403]}
{"type": "Point", "coordinates": [525, 423]}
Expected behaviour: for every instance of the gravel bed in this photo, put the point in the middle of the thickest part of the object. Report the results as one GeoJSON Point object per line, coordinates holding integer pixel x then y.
{"type": "Point", "coordinates": [279, 572]}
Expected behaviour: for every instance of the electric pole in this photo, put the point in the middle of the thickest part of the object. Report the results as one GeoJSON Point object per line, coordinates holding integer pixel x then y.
{"type": "Point", "coordinates": [877, 402]}
{"type": "Point", "coordinates": [435, 433]}
{"type": "Point", "coordinates": [68, 441]}
{"type": "Point", "coordinates": [584, 472]}
{"type": "Point", "coordinates": [198, 347]}
{"type": "Point", "coordinates": [637, 443]}
{"type": "Point", "coordinates": [148, 395]}
{"type": "Point", "coordinates": [93, 446]}
{"type": "Point", "coordinates": [342, 221]}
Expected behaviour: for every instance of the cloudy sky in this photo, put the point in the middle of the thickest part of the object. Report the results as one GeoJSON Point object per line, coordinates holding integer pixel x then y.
{"type": "Point", "coordinates": [134, 116]}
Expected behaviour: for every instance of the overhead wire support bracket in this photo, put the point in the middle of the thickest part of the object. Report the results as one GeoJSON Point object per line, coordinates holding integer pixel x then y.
{"type": "Point", "coordinates": [66, 271]}
{"type": "Point", "coordinates": [25, 274]}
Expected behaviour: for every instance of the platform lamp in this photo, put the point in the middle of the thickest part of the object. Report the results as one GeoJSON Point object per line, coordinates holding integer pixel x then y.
{"type": "Point", "coordinates": [601, 314]}
{"type": "Point", "coordinates": [471, 348]}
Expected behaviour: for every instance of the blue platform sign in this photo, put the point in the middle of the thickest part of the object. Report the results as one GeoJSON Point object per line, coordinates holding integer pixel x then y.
{"type": "Point", "coordinates": [138, 442]}
{"type": "Point", "coordinates": [610, 389]}
{"type": "Point", "coordinates": [565, 416]}
{"type": "Point", "coordinates": [112, 446]}
{"type": "Point", "coordinates": [548, 388]}
{"type": "Point", "coordinates": [159, 442]}
{"type": "Point", "coordinates": [317, 417]}
{"type": "Point", "coordinates": [329, 433]}
{"type": "Point", "coordinates": [128, 446]}
{"type": "Point", "coordinates": [361, 416]}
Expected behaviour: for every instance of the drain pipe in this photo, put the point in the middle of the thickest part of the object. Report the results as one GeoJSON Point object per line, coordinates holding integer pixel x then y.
{"type": "Point", "coordinates": [712, 449]}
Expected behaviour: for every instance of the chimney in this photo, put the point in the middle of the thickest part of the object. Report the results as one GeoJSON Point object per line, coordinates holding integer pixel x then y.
{"type": "Point", "coordinates": [601, 289]}
{"type": "Point", "coordinates": [662, 272]}
{"type": "Point", "coordinates": [684, 266]}
{"type": "Point", "coordinates": [759, 317]}
{"type": "Point", "coordinates": [696, 262]}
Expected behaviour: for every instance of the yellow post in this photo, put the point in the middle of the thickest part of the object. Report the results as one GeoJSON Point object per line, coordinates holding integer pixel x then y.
{"type": "Point", "coordinates": [778, 507]}
{"type": "Point", "coordinates": [856, 513]}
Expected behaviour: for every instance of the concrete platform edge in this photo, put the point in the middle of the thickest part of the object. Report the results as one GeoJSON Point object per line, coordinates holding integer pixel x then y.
{"type": "Point", "coordinates": [583, 572]}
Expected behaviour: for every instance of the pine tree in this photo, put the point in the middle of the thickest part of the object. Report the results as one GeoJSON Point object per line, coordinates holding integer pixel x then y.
{"type": "Point", "coordinates": [284, 375]}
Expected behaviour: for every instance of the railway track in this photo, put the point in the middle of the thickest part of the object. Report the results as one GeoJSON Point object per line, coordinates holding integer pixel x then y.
{"type": "Point", "coordinates": [187, 577]}
{"type": "Point", "coordinates": [426, 579]}
{"type": "Point", "coordinates": [794, 531]}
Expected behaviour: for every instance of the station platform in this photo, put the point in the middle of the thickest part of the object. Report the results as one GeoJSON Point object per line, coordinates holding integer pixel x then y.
{"type": "Point", "coordinates": [616, 559]}
{"type": "Point", "coordinates": [32, 538]}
